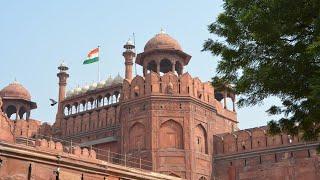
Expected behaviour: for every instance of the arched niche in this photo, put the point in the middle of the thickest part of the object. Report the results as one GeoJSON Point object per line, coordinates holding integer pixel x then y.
{"type": "Point", "coordinates": [165, 66]}
{"type": "Point", "coordinates": [171, 135]}
{"type": "Point", "coordinates": [201, 143]}
{"type": "Point", "coordinates": [137, 134]}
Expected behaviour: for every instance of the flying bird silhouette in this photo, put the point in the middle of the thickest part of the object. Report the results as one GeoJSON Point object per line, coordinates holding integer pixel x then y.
{"type": "Point", "coordinates": [53, 102]}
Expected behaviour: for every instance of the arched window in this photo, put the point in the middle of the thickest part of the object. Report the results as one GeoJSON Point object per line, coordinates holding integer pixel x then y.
{"type": "Point", "coordinates": [165, 66]}
{"type": "Point", "coordinates": [171, 135]}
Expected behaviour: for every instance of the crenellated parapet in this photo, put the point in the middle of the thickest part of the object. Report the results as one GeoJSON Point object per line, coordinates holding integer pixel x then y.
{"type": "Point", "coordinates": [255, 154]}
{"type": "Point", "coordinates": [172, 85]}
{"type": "Point", "coordinates": [168, 84]}
{"type": "Point", "coordinates": [58, 147]}
{"type": "Point", "coordinates": [250, 140]}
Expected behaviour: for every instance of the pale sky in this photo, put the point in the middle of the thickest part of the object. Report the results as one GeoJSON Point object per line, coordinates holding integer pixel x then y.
{"type": "Point", "coordinates": [35, 36]}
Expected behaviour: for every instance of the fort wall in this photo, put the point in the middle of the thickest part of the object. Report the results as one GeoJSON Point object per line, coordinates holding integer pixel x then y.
{"type": "Point", "coordinates": [252, 154]}
{"type": "Point", "coordinates": [43, 160]}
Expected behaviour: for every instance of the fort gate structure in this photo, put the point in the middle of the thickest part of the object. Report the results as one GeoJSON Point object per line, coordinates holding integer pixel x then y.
{"type": "Point", "coordinates": [165, 116]}
{"type": "Point", "coordinates": [164, 121]}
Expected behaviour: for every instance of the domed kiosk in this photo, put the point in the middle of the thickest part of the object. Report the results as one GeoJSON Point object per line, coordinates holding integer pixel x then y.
{"type": "Point", "coordinates": [163, 54]}
{"type": "Point", "coordinates": [17, 100]}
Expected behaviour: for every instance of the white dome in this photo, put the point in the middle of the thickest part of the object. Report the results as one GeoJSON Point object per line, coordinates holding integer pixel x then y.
{"type": "Point", "coordinates": [93, 86]}
{"type": "Point", "coordinates": [77, 90]}
{"type": "Point", "coordinates": [85, 88]}
{"type": "Point", "coordinates": [109, 81]}
{"type": "Point", "coordinates": [101, 84]}
{"type": "Point", "coordinates": [72, 92]}
{"type": "Point", "coordinates": [68, 93]}
{"type": "Point", "coordinates": [129, 42]}
{"type": "Point", "coordinates": [118, 79]}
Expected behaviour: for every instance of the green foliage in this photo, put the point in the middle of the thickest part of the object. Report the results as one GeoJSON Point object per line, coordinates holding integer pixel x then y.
{"type": "Point", "coordinates": [272, 48]}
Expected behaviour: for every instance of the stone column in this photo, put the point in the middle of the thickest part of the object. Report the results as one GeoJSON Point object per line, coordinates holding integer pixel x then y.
{"type": "Point", "coordinates": [233, 103]}
{"type": "Point", "coordinates": [158, 67]}
{"type": "Point", "coordinates": [225, 98]}
{"type": "Point", "coordinates": [144, 71]}
{"type": "Point", "coordinates": [28, 115]}
{"type": "Point", "coordinates": [17, 112]}
{"type": "Point", "coordinates": [173, 67]}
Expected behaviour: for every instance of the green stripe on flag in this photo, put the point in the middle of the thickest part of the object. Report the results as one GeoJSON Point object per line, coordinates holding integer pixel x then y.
{"type": "Point", "coordinates": [89, 61]}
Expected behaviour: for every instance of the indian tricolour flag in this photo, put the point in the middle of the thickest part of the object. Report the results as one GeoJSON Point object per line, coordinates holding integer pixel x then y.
{"type": "Point", "coordinates": [93, 56]}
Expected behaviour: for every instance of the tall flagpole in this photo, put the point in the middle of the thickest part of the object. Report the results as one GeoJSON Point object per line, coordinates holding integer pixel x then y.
{"type": "Point", "coordinates": [99, 64]}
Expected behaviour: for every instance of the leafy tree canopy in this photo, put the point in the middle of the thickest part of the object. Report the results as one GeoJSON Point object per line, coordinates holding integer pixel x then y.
{"type": "Point", "coordinates": [272, 48]}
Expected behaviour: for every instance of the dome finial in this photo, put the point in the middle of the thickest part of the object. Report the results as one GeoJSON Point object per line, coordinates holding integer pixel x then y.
{"type": "Point", "coordinates": [162, 31]}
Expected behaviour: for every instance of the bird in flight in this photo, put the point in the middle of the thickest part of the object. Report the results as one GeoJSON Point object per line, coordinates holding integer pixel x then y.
{"type": "Point", "coordinates": [53, 102]}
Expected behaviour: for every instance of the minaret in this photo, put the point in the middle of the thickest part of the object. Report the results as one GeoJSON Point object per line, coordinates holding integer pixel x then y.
{"type": "Point", "coordinates": [128, 55]}
{"type": "Point", "coordinates": [63, 76]}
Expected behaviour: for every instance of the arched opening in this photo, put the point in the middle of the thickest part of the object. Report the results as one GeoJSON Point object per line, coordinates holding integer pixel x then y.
{"type": "Point", "coordinates": [117, 95]}
{"type": "Point", "coordinates": [112, 99]}
{"type": "Point", "coordinates": [22, 113]}
{"type": "Point", "coordinates": [90, 104]}
{"type": "Point", "coordinates": [105, 101]}
{"type": "Point", "coordinates": [11, 110]}
{"type": "Point", "coordinates": [137, 137]}
{"type": "Point", "coordinates": [74, 109]}
{"type": "Point", "coordinates": [171, 135]}
{"type": "Point", "coordinates": [201, 139]}
{"type": "Point", "coordinates": [99, 101]}
{"type": "Point", "coordinates": [165, 66]}
{"type": "Point", "coordinates": [152, 66]}
{"type": "Point", "coordinates": [179, 68]}
{"type": "Point", "coordinates": [83, 106]}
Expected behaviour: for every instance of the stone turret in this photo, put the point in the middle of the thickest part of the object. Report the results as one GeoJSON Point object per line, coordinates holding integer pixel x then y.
{"type": "Point", "coordinates": [128, 55]}
{"type": "Point", "coordinates": [163, 54]}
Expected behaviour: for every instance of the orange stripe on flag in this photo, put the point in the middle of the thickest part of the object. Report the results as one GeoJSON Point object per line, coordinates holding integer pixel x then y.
{"type": "Point", "coordinates": [96, 50]}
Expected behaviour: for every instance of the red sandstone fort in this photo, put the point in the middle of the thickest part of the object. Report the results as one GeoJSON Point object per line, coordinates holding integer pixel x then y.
{"type": "Point", "coordinates": [164, 124]}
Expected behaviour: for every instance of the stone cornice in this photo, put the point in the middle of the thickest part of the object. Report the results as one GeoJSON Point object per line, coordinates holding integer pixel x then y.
{"type": "Point", "coordinates": [187, 98]}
